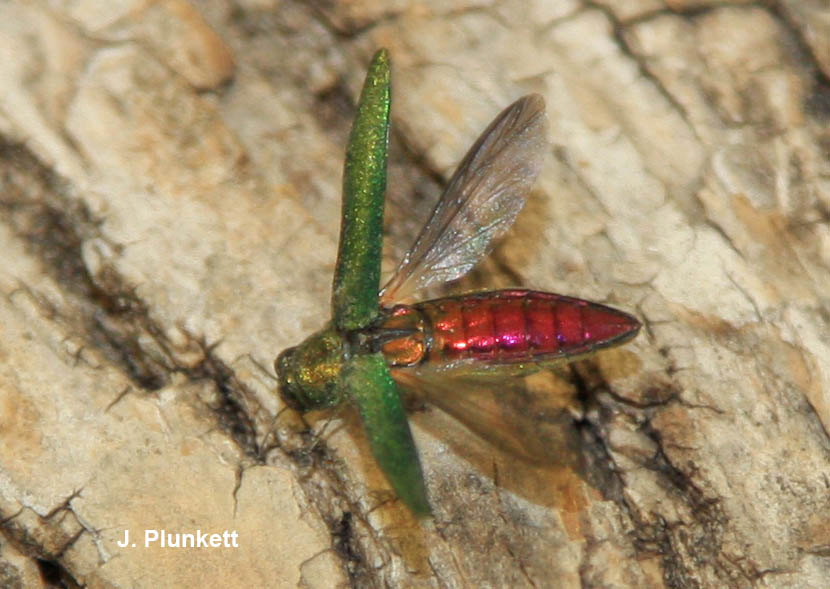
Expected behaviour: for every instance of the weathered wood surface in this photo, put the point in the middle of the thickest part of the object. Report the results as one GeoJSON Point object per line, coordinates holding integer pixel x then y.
{"type": "Point", "coordinates": [169, 184]}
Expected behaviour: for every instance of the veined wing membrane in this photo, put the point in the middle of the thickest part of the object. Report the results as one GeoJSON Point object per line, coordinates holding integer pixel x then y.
{"type": "Point", "coordinates": [531, 418]}
{"type": "Point", "coordinates": [480, 203]}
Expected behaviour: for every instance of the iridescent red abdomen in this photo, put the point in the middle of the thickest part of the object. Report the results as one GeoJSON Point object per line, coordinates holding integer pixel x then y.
{"type": "Point", "coordinates": [501, 327]}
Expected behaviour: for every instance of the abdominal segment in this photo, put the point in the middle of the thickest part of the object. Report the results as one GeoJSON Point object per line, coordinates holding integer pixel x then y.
{"type": "Point", "coordinates": [501, 327]}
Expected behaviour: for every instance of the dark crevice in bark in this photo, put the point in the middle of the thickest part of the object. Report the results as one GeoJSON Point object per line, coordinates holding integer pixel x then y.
{"type": "Point", "coordinates": [47, 559]}
{"type": "Point", "coordinates": [54, 575]}
{"type": "Point", "coordinates": [701, 540]}
{"type": "Point", "coordinates": [53, 226]}
{"type": "Point", "coordinates": [347, 546]}
{"type": "Point", "coordinates": [599, 469]}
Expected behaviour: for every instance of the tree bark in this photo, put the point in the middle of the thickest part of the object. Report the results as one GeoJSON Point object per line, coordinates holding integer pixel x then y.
{"type": "Point", "coordinates": [170, 186]}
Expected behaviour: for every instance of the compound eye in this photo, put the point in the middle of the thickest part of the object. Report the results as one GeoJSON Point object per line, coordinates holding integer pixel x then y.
{"type": "Point", "coordinates": [288, 389]}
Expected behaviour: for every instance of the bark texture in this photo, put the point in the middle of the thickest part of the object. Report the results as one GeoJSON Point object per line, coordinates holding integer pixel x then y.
{"type": "Point", "coordinates": [170, 196]}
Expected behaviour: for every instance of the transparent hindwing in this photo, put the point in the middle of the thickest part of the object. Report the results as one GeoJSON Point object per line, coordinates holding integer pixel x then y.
{"type": "Point", "coordinates": [480, 203]}
{"type": "Point", "coordinates": [530, 417]}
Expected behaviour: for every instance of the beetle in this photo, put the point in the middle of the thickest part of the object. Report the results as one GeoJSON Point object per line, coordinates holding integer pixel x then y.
{"type": "Point", "coordinates": [374, 344]}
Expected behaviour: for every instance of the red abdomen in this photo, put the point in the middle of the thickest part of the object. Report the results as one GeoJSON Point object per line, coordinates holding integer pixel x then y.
{"type": "Point", "coordinates": [504, 327]}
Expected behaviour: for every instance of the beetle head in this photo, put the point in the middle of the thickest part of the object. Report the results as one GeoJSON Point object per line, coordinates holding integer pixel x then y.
{"type": "Point", "coordinates": [309, 374]}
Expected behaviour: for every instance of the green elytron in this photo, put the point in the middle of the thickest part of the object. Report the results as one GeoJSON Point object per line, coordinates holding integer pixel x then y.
{"type": "Point", "coordinates": [446, 347]}
{"type": "Point", "coordinates": [321, 371]}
